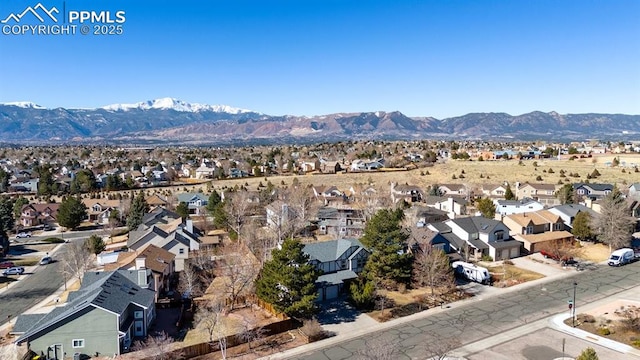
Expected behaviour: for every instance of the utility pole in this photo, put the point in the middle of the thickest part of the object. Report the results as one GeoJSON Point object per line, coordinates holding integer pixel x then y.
{"type": "Point", "coordinates": [573, 316]}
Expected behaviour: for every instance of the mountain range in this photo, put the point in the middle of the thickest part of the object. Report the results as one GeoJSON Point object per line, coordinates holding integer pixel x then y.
{"type": "Point", "coordinates": [173, 121]}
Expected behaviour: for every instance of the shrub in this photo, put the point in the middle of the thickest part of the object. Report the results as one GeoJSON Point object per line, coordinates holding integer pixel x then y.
{"type": "Point", "coordinates": [508, 262]}
{"type": "Point", "coordinates": [486, 257]}
{"type": "Point", "coordinates": [604, 331]}
{"type": "Point", "coordinates": [586, 318]}
{"type": "Point", "coordinates": [539, 178]}
{"type": "Point", "coordinates": [53, 240]}
{"type": "Point", "coordinates": [313, 330]}
{"type": "Point", "coordinates": [636, 343]}
{"type": "Point", "coordinates": [120, 232]}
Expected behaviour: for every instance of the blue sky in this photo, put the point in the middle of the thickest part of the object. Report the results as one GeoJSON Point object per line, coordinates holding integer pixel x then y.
{"type": "Point", "coordinates": [308, 57]}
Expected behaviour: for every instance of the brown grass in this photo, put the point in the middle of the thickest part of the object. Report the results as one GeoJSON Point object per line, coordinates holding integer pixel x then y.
{"type": "Point", "coordinates": [63, 297]}
{"type": "Point", "coordinates": [509, 275]}
{"type": "Point", "coordinates": [595, 252]}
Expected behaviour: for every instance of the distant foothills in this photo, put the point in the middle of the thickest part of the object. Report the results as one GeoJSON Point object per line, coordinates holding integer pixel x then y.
{"type": "Point", "coordinates": [171, 121]}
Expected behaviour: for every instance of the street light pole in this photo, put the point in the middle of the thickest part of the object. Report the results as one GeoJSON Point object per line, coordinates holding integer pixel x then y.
{"type": "Point", "coordinates": [573, 316]}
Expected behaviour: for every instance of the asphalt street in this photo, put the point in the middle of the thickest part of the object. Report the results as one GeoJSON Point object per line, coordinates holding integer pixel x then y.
{"type": "Point", "coordinates": [32, 288]}
{"type": "Point", "coordinates": [476, 320]}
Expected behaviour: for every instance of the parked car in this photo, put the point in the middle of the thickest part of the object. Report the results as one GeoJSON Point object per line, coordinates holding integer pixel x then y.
{"type": "Point", "coordinates": [6, 264]}
{"type": "Point", "coordinates": [621, 257]}
{"type": "Point", "coordinates": [23, 234]}
{"type": "Point", "coordinates": [16, 270]}
{"type": "Point", "coordinates": [46, 260]}
{"type": "Point", "coordinates": [47, 227]}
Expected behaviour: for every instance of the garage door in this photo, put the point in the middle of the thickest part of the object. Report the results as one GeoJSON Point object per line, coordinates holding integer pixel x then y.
{"type": "Point", "coordinates": [504, 254]}
{"type": "Point", "coordinates": [515, 252]}
{"type": "Point", "coordinates": [331, 292]}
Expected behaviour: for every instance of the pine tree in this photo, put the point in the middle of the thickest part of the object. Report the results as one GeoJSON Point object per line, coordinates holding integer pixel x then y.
{"type": "Point", "coordinates": [582, 226]}
{"type": "Point", "coordinates": [389, 264]}
{"type": "Point", "coordinates": [508, 194]}
{"type": "Point", "coordinates": [287, 281]}
{"type": "Point", "coordinates": [139, 207]}
{"type": "Point", "coordinates": [95, 244]}
{"type": "Point", "coordinates": [566, 194]}
{"type": "Point", "coordinates": [487, 208]}
{"type": "Point", "coordinates": [6, 216]}
{"type": "Point", "coordinates": [588, 354]}
{"type": "Point", "coordinates": [214, 201]}
{"type": "Point", "coordinates": [183, 210]}
{"type": "Point", "coordinates": [71, 212]}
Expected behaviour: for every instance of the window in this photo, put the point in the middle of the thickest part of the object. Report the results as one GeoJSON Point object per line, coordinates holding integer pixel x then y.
{"type": "Point", "coordinates": [138, 314]}
{"type": "Point", "coordinates": [499, 235]}
{"type": "Point", "coordinates": [77, 343]}
{"type": "Point", "coordinates": [181, 251]}
{"type": "Point", "coordinates": [529, 230]}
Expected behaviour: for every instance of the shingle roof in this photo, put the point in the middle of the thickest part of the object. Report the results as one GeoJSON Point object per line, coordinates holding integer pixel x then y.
{"type": "Point", "coordinates": [476, 224]}
{"type": "Point", "coordinates": [329, 250]}
{"type": "Point", "coordinates": [25, 322]}
{"type": "Point", "coordinates": [107, 290]}
{"type": "Point", "coordinates": [521, 202]}
{"type": "Point", "coordinates": [186, 197]}
{"type": "Point", "coordinates": [337, 277]}
{"type": "Point", "coordinates": [572, 209]}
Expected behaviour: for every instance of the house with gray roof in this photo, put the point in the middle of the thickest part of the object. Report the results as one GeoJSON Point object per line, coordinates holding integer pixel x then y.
{"type": "Point", "coordinates": [195, 202]}
{"type": "Point", "coordinates": [634, 191]}
{"type": "Point", "coordinates": [568, 212]}
{"type": "Point", "coordinates": [477, 236]}
{"type": "Point", "coordinates": [100, 319]}
{"type": "Point", "coordinates": [593, 191]}
{"type": "Point", "coordinates": [340, 262]}
{"type": "Point", "coordinates": [510, 207]}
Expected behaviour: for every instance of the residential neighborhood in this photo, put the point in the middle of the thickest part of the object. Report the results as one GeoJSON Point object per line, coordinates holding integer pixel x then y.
{"type": "Point", "coordinates": [159, 249]}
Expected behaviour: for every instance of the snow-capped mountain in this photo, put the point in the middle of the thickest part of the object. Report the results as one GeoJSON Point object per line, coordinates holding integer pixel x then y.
{"type": "Point", "coordinates": [174, 104]}
{"type": "Point", "coordinates": [24, 104]}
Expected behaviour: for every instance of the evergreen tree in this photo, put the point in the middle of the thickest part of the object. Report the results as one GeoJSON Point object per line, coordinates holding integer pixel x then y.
{"type": "Point", "coordinates": [487, 208]}
{"type": "Point", "coordinates": [389, 264]}
{"type": "Point", "coordinates": [508, 194]}
{"type": "Point", "coordinates": [84, 181]}
{"type": "Point", "coordinates": [95, 244]}
{"type": "Point", "coordinates": [363, 293]}
{"type": "Point", "coordinates": [17, 206]}
{"type": "Point", "coordinates": [6, 216]}
{"type": "Point", "coordinates": [214, 201]}
{"type": "Point", "coordinates": [4, 181]}
{"type": "Point", "coordinates": [582, 226]}
{"type": "Point", "coordinates": [71, 212]}
{"type": "Point", "coordinates": [588, 354]}
{"type": "Point", "coordinates": [183, 210]}
{"type": "Point", "coordinates": [287, 281]}
{"type": "Point", "coordinates": [45, 180]}
{"type": "Point", "coordinates": [566, 194]}
{"type": "Point", "coordinates": [138, 208]}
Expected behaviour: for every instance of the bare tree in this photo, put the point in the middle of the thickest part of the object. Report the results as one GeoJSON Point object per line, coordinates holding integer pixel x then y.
{"type": "Point", "coordinates": [157, 347]}
{"type": "Point", "coordinates": [237, 207]}
{"type": "Point", "coordinates": [615, 224]}
{"type": "Point", "coordinates": [440, 349]}
{"type": "Point", "coordinates": [190, 283]}
{"type": "Point", "coordinates": [251, 332]}
{"type": "Point", "coordinates": [562, 250]}
{"type": "Point", "coordinates": [379, 349]}
{"type": "Point", "coordinates": [237, 269]}
{"type": "Point", "coordinates": [303, 205]}
{"type": "Point", "coordinates": [76, 260]}
{"type": "Point", "coordinates": [210, 320]}
{"type": "Point", "coordinates": [431, 268]}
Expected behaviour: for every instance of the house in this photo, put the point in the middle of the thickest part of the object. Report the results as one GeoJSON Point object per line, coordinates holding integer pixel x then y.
{"type": "Point", "coordinates": [155, 200]}
{"type": "Point", "coordinates": [279, 215]}
{"type": "Point", "coordinates": [195, 202]}
{"type": "Point", "coordinates": [206, 170]}
{"type": "Point", "coordinates": [309, 166]}
{"type": "Point", "coordinates": [367, 165]}
{"type": "Point", "coordinates": [493, 191]}
{"type": "Point", "coordinates": [474, 237]}
{"type": "Point", "coordinates": [330, 167]}
{"type": "Point", "coordinates": [542, 193]}
{"type": "Point", "coordinates": [568, 213]}
{"type": "Point", "coordinates": [102, 318]}
{"type": "Point", "coordinates": [38, 214]}
{"type": "Point", "coordinates": [537, 230]}
{"type": "Point", "coordinates": [99, 210]}
{"type": "Point", "coordinates": [454, 206]}
{"type": "Point", "coordinates": [340, 261]}
{"type": "Point", "coordinates": [634, 191]}
{"type": "Point", "coordinates": [406, 192]}
{"type": "Point", "coordinates": [592, 191]}
{"type": "Point", "coordinates": [330, 195]}
{"type": "Point", "coordinates": [421, 238]}
{"type": "Point", "coordinates": [508, 207]}
{"type": "Point", "coordinates": [160, 262]}
{"type": "Point", "coordinates": [458, 190]}
{"type": "Point", "coordinates": [340, 221]}
{"type": "Point", "coordinates": [427, 214]}
{"type": "Point", "coordinates": [165, 229]}
{"type": "Point", "coordinates": [23, 184]}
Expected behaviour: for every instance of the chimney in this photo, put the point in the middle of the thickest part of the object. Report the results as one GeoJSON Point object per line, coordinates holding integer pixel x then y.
{"type": "Point", "coordinates": [189, 225]}
{"type": "Point", "coordinates": [141, 263]}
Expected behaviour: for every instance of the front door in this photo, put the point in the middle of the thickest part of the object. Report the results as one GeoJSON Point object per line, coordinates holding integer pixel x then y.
{"type": "Point", "coordinates": [55, 352]}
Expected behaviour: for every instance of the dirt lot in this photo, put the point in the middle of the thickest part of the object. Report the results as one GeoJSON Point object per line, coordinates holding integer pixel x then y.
{"type": "Point", "coordinates": [608, 317]}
